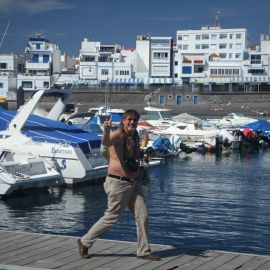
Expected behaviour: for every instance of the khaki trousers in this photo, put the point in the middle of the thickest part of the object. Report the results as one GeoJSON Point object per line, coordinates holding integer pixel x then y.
{"type": "Point", "coordinates": [122, 194]}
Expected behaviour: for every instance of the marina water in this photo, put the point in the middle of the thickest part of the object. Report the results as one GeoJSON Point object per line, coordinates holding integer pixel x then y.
{"type": "Point", "coordinates": [195, 201]}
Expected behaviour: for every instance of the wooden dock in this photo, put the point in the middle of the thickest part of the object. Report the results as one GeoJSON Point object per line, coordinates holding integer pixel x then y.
{"type": "Point", "coordinates": [29, 251]}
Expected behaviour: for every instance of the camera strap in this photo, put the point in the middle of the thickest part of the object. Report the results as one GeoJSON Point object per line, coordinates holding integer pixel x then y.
{"type": "Point", "coordinates": [135, 146]}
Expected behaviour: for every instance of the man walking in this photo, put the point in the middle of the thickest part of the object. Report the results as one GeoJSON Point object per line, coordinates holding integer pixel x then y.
{"type": "Point", "coordinates": [122, 185]}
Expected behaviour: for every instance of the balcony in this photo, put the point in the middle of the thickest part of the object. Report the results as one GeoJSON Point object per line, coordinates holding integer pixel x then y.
{"type": "Point", "coordinates": [38, 66]}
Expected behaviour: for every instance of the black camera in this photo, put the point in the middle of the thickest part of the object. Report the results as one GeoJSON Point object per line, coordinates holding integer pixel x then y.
{"type": "Point", "coordinates": [131, 164]}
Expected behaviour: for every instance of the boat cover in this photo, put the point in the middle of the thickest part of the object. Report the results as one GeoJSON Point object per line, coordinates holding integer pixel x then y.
{"type": "Point", "coordinates": [262, 126]}
{"type": "Point", "coordinates": [43, 129]}
{"type": "Point", "coordinates": [163, 144]}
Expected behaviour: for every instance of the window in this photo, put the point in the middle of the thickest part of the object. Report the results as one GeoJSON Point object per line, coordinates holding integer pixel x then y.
{"type": "Point", "coordinates": [89, 59]}
{"type": "Point", "coordinates": [213, 36]}
{"type": "Point", "coordinates": [223, 36]}
{"type": "Point", "coordinates": [237, 55]}
{"type": "Point", "coordinates": [46, 58]}
{"type": "Point", "coordinates": [222, 45]}
{"type": "Point", "coordinates": [231, 36]}
{"type": "Point", "coordinates": [198, 37]}
{"type": "Point", "coordinates": [198, 69]}
{"type": "Point", "coordinates": [224, 72]}
{"type": "Point", "coordinates": [230, 55]}
{"type": "Point", "coordinates": [255, 59]}
{"type": "Point", "coordinates": [160, 55]}
{"type": "Point", "coordinates": [104, 71]}
{"type": "Point", "coordinates": [116, 72]}
{"type": "Point", "coordinates": [238, 36]}
{"type": "Point", "coordinates": [256, 71]}
{"type": "Point", "coordinates": [46, 84]}
{"type": "Point", "coordinates": [176, 63]}
{"type": "Point", "coordinates": [185, 47]}
{"type": "Point", "coordinates": [197, 46]}
{"type": "Point", "coordinates": [230, 46]}
{"type": "Point", "coordinates": [1, 85]}
{"type": "Point", "coordinates": [238, 46]}
{"type": "Point", "coordinates": [186, 70]}
{"type": "Point", "coordinates": [205, 46]}
{"type": "Point", "coordinates": [213, 46]}
{"type": "Point", "coordinates": [35, 58]}
{"type": "Point", "coordinates": [180, 47]}
{"type": "Point", "coordinates": [27, 84]}
{"type": "Point", "coordinates": [175, 75]}
{"type": "Point", "coordinates": [179, 37]}
{"type": "Point", "coordinates": [222, 55]}
{"type": "Point", "coordinates": [3, 65]}
{"type": "Point", "coordinates": [205, 36]}
{"type": "Point", "coordinates": [124, 72]}
{"type": "Point", "coordinates": [38, 46]}
{"type": "Point", "coordinates": [185, 37]}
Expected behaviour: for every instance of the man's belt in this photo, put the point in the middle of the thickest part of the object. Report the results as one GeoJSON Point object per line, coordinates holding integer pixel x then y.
{"type": "Point", "coordinates": [122, 178]}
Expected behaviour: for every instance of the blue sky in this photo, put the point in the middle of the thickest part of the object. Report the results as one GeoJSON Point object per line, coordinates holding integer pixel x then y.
{"type": "Point", "coordinates": [67, 22]}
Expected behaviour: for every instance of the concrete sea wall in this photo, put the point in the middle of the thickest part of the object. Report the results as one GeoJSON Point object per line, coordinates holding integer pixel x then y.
{"type": "Point", "coordinates": [208, 104]}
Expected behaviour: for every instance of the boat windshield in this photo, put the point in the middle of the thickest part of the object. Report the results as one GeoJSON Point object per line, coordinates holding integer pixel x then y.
{"type": "Point", "coordinates": [165, 115]}
{"type": "Point", "coordinates": [158, 115]}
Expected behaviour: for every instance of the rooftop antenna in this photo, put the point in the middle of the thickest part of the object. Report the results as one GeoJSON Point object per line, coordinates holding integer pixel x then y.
{"type": "Point", "coordinates": [217, 20]}
{"type": "Point", "coordinates": [4, 34]}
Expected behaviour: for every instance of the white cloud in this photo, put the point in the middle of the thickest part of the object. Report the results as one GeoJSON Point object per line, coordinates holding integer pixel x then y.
{"type": "Point", "coordinates": [9, 7]}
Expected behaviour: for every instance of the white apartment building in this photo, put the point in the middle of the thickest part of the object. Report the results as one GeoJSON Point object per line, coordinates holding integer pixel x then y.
{"type": "Point", "coordinates": [210, 54]}
{"type": "Point", "coordinates": [43, 59]}
{"type": "Point", "coordinates": [153, 59]}
{"type": "Point", "coordinates": [10, 66]}
{"type": "Point", "coordinates": [256, 70]}
{"type": "Point", "coordinates": [103, 63]}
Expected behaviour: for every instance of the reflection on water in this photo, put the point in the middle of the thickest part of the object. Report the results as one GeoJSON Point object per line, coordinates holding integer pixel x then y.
{"type": "Point", "coordinates": [197, 201]}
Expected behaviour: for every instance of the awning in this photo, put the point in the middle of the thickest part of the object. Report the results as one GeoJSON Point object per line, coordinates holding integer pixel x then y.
{"type": "Point", "coordinates": [158, 81]}
{"type": "Point", "coordinates": [130, 81]}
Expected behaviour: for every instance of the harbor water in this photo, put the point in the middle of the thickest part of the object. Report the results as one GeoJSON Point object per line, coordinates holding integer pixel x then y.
{"type": "Point", "coordinates": [195, 201]}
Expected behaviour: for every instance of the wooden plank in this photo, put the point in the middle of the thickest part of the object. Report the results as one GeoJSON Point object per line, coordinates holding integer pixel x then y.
{"type": "Point", "coordinates": [10, 239]}
{"type": "Point", "coordinates": [134, 262]}
{"type": "Point", "coordinates": [108, 255]}
{"type": "Point", "coordinates": [237, 262]}
{"type": "Point", "coordinates": [31, 251]}
{"type": "Point", "coordinates": [28, 248]}
{"type": "Point", "coordinates": [28, 240]}
{"type": "Point", "coordinates": [68, 256]}
{"type": "Point", "coordinates": [221, 259]}
{"type": "Point", "coordinates": [255, 263]}
{"type": "Point", "coordinates": [190, 260]}
{"type": "Point", "coordinates": [265, 266]}
{"type": "Point", "coordinates": [42, 253]}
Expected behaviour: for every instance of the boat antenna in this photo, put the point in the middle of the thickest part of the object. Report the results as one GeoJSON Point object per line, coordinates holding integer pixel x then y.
{"type": "Point", "coordinates": [4, 34]}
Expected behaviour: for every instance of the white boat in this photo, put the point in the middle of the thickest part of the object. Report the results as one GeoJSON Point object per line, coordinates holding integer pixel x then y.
{"type": "Point", "coordinates": [190, 133]}
{"type": "Point", "coordinates": [232, 120]}
{"type": "Point", "coordinates": [158, 117]}
{"type": "Point", "coordinates": [94, 116]}
{"type": "Point", "coordinates": [196, 133]}
{"type": "Point", "coordinates": [21, 171]}
{"type": "Point", "coordinates": [77, 152]}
